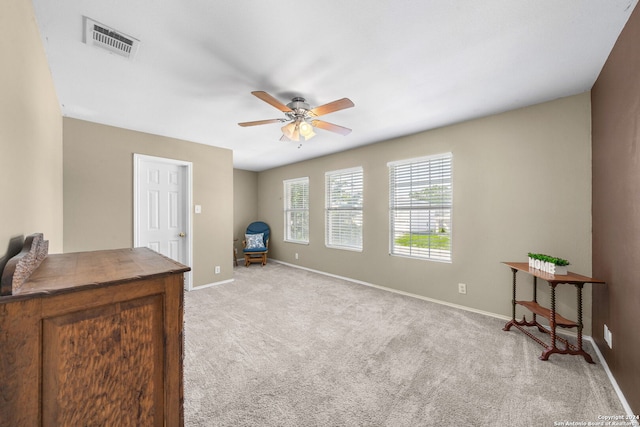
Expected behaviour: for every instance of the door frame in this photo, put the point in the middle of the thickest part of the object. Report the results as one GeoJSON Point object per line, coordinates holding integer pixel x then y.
{"type": "Point", "coordinates": [137, 159]}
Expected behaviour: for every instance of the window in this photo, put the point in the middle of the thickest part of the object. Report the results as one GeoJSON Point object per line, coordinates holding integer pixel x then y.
{"type": "Point", "coordinates": [343, 213]}
{"type": "Point", "coordinates": [296, 210]}
{"type": "Point", "coordinates": [420, 207]}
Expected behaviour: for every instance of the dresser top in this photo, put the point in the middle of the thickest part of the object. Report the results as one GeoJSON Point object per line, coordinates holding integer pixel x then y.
{"type": "Point", "coordinates": [72, 271]}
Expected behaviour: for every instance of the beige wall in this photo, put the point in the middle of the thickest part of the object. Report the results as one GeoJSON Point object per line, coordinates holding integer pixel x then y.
{"type": "Point", "coordinates": [98, 193]}
{"type": "Point", "coordinates": [30, 132]}
{"type": "Point", "coordinates": [521, 183]}
{"type": "Point", "coordinates": [245, 203]}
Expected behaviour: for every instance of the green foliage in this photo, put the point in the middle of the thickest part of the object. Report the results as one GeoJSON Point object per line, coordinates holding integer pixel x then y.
{"type": "Point", "coordinates": [432, 241]}
{"type": "Point", "coordinates": [298, 194]}
{"type": "Point", "coordinates": [547, 258]}
{"type": "Point", "coordinates": [434, 195]}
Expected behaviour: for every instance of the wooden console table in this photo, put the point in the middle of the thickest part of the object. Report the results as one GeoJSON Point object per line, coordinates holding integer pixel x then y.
{"type": "Point", "coordinates": [554, 318]}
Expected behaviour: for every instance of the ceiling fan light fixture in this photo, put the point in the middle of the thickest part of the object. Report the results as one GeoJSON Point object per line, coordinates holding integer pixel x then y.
{"type": "Point", "coordinates": [288, 130]}
{"type": "Point", "coordinates": [306, 130]}
{"type": "Point", "coordinates": [295, 135]}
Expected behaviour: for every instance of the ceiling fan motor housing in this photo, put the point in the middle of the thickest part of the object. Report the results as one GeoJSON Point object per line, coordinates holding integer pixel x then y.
{"type": "Point", "coordinates": [299, 106]}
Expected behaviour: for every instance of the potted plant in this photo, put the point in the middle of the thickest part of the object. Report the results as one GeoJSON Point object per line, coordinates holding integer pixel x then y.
{"type": "Point", "coordinates": [547, 263]}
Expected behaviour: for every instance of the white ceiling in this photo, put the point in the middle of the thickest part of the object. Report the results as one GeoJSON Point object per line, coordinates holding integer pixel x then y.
{"type": "Point", "coordinates": [408, 65]}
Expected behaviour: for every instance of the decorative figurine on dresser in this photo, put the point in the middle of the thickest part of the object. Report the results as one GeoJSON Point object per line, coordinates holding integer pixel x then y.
{"type": "Point", "coordinates": [90, 338]}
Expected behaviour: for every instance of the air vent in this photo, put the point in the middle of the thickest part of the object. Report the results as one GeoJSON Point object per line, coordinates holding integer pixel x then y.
{"type": "Point", "coordinates": [107, 38]}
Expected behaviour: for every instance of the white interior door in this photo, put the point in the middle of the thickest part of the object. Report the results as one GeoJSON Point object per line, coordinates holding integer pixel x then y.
{"type": "Point", "coordinates": [162, 213]}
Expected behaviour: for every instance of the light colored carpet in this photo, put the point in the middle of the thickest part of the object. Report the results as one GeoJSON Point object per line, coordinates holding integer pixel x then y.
{"type": "Point", "coordinates": [282, 346]}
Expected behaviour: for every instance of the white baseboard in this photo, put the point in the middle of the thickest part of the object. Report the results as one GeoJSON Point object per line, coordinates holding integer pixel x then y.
{"type": "Point", "coordinates": [208, 285]}
{"type": "Point", "coordinates": [614, 383]}
{"type": "Point", "coordinates": [396, 291]}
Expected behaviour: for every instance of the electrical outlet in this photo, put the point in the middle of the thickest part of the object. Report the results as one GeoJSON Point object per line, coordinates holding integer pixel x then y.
{"type": "Point", "coordinates": [462, 288]}
{"type": "Point", "coordinates": [296, 255]}
{"type": "Point", "coordinates": [217, 269]}
{"type": "Point", "coordinates": [608, 336]}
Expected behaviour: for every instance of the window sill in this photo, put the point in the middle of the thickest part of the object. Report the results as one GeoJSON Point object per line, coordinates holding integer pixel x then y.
{"type": "Point", "coordinates": [297, 242]}
{"type": "Point", "coordinates": [344, 248]}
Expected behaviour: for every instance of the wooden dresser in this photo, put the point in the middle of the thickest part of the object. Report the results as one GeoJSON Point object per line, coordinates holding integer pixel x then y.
{"type": "Point", "coordinates": [94, 339]}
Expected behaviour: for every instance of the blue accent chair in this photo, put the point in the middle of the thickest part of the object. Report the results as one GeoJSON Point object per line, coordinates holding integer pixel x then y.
{"type": "Point", "coordinates": [256, 243]}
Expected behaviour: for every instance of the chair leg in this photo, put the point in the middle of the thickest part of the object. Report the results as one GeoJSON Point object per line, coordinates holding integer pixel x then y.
{"type": "Point", "coordinates": [255, 258]}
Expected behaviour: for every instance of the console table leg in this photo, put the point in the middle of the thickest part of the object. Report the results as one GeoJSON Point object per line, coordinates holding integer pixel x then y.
{"type": "Point", "coordinates": [551, 348]}
{"type": "Point", "coordinates": [513, 300]}
{"type": "Point", "coordinates": [579, 294]}
{"type": "Point", "coordinates": [535, 296]}
{"type": "Point", "coordinates": [586, 355]}
{"type": "Point", "coordinates": [552, 321]}
{"type": "Point", "coordinates": [548, 352]}
{"type": "Point", "coordinates": [513, 303]}
{"type": "Point", "coordinates": [535, 299]}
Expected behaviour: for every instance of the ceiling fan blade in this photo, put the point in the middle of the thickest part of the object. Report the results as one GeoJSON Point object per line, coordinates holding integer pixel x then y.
{"type": "Point", "coordinates": [271, 100]}
{"type": "Point", "coordinates": [331, 127]}
{"type": "Point", "coordinates": [261, 122]}
{"type": "Point", "coordinates": [338, 105]}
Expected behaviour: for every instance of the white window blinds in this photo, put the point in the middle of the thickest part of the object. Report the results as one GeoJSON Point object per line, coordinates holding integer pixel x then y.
{"type": "Point", "coordinates": [343, 214]}
{"type": "Point", "coordinates": [421, 199]}
{"type": "Point", "coordinates": [296, 210]}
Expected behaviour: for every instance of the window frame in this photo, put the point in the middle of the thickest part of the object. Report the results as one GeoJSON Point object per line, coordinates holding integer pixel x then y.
{"type": "Point", "coordinates": [333, 212]}
{"type": "Point", "coordinates": [289, 210]}
{"type": "Point", "coordinates": [432, 171]}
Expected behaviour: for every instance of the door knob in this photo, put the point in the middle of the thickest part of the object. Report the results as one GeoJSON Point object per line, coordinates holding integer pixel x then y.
{"type": "Point", "coordinates": [181, 234]}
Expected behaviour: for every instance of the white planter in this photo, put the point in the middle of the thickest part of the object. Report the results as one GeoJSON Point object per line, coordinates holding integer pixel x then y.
{"type": "Point", "coordinates": [548, 267]}
{"type": "Point", "coordinates": [561, 270]}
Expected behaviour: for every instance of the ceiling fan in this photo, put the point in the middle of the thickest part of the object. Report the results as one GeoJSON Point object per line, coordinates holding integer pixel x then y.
{"type": "Point", "coordinates": [301, 117]}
